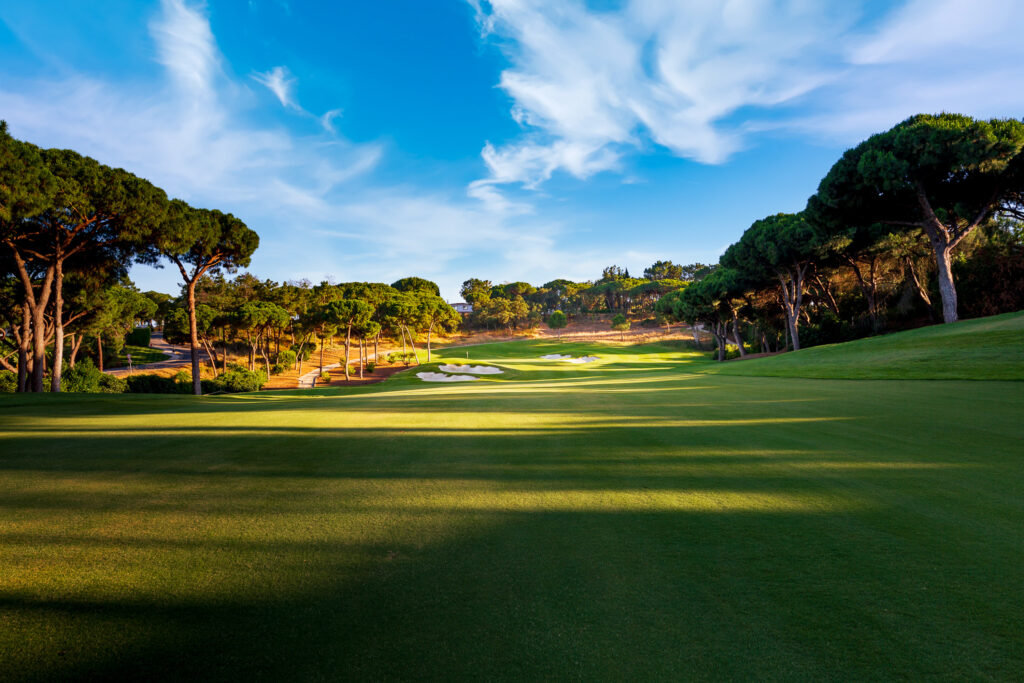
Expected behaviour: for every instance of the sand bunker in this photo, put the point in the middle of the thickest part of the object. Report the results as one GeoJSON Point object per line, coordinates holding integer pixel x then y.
{"type": "Point", "coordinates": [555, 356]}
{"type": "Point", "coordinates": [582, 359]}
{"type": "Point", "coordinates": [472, 369]}
{"type": "Point", "coordinates": [441, 377]}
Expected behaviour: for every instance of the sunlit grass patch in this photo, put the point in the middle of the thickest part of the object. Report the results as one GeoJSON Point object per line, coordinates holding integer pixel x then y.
{"type": "Point", "coordinates": [634, 518]}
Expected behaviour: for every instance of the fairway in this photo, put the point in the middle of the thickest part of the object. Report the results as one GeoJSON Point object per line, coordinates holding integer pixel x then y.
{"type": "Point", "coordinates": [638, 517]}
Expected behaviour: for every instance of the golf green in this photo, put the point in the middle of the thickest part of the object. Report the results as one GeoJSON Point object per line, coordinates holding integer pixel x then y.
{"type": "Point", "coordinates": [645, 516]}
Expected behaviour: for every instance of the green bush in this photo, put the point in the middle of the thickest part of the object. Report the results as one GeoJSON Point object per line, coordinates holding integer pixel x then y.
{"type": "Point", "coordinates": [399, 357]}
{"type": "Point", "coordinates": [240, 379]}
{"type": "Point", "coordinates": [731, 351]}
{"type": "Point", "coordinates": [85, 378]}
{"type": "Point", "coordinates": [8, 382]}
{"type": "Point", "coordinates": [371, 366]}
{"type": "Point", "coordinates": [155, 384]}
{"type": "Point", "coordinates": [140, 336]}
{"type": "Point", "coordinates": [285, 361]}
{"type": "Point", "coordinates": [325, 376]}
{"type": "Point", "coordinates": [112, 385]}
{"type": "Point", "coordinates": [828, 329]}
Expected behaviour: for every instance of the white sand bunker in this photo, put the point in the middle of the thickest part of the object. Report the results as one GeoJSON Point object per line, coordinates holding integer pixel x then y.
{"type": "Point", "coordinates": [441, 377]}
{"type": "Point", "coordinates": [472, 369]}
{"type": "Point", "coordinates": [555, 356]}
{"type": "Point", "coordinates": [582, 359]}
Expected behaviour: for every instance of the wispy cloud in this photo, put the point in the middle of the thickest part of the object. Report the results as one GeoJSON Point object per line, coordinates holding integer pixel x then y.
{"type": "Point", "coordinates": [701, 78]}
{"type": "Point", "coordinates": [280, 82]}
{"type": "Point", "coordinates": [201, 134]}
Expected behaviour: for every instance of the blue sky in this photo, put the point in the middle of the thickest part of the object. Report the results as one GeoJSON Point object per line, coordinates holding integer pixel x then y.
{"type": "Point", "coordinates": [506, 140]}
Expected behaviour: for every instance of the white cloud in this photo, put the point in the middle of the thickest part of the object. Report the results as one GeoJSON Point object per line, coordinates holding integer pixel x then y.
{"type": "Point", "coordinates": [327, 120]}
{"type": "Point", "coordinates": [700, 78]}
{"type": "Point", "coordinates": [200, 134]}
{"type": "Point", "coordinates": [280, 82]}
{"type": "Point", "coordinates": [589, 86]}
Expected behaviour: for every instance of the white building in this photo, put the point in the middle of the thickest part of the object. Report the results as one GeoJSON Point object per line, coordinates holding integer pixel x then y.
{"type": "Point", "coordinates": [462, 307]}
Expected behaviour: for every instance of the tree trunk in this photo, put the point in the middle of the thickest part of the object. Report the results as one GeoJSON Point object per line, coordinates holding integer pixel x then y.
{"type": "Point", "coordinates": [429, 331]}
{"type": "Point", "coordinates": [792, 296]}
{"type": "Point", "coordinates": [947, 289]}
{"type": "Point", "coordinates": [736, 334]}
{"type": "Point", "coordinates": [362, 356]}
{"type": "Point", "coordinates": [99, 350]}
{"type": "Point", "coordinates": [75, 346]}
{"type": "Point", "coordinates": [210, 355]}
{"type": "Point", "coordinates": [348, 344]}
{"type": "Point", "coordinates": [376, 351]}
{"type": "Point", "coordinates": [193, 338]}
{"type": "Point", "coordinates": [868, 289]}
{"type": "Point", "coordinates": [24, 345]}
{"type": "Point", "coordinates": [696, 339]}
{"type": "Point", "coordinates": [412, 345]}
{"type": "Point", "coordinates": [825, 288]}
{"type": "Point", "coordinates": [266, 360]}
{"type": "Point", "coordinates": [321, 355]}
{"type": "Point", "coordinates": [58, 322]}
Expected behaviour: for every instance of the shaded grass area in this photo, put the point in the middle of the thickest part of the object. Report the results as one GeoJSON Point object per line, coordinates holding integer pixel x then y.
{"type": "Point", "coordinates": [634, 518]}
{"type": "Point", "coordinates": [981, 349]}
{"type": "Point", "coordinates": [140, 356]}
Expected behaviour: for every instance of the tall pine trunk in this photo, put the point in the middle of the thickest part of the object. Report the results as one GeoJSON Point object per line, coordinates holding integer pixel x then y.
{"type": "Point", "coordinates": [348, 345]}
{"type": "Point", "coordinates": [193, 338]}
{"type": "Point", "coordinates": [58, 323]}
{"type": "Point", "coordinates": [947, 288]}
{"type": "Point", "coordinates": [24, 346]}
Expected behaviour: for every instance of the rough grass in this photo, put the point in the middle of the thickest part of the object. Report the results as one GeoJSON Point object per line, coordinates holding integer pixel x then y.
{"type": "Point", "coordinates": [631, 519]}
{"type": "Point", "coordinates": [986, 348]}
{"type": "Point", "coordinates": [140, 356]}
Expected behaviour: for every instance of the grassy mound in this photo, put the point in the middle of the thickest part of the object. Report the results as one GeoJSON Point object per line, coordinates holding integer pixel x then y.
{"type": "Point", "coordinates": [631, 519]}
{"type": "Point", "coordinates": [986, 348]}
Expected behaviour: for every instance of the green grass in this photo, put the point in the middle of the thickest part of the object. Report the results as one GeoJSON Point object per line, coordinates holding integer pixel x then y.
{"type": "Point", "coordinates": [140, 356]}
{"type": "Point", "coordinates": [986, 348]}
{"type": "Point", "coordinates": [638, 518]}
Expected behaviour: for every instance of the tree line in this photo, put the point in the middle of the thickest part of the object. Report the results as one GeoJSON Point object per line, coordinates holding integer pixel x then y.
{"type": "Point", "coordinates": [895, 220]}
{"type": "Point", "coordinates": [281, 325]}
{"type": "Point", "coordinates": [516, 305]}
{"type": "Point", "coordinates": [70, 227]}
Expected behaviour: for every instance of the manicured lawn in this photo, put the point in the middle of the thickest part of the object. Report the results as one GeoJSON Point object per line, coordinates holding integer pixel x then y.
{"type": "Point", "coordinates": [638, 518]}
{"type": "Point", "coordinates": [985, 348]}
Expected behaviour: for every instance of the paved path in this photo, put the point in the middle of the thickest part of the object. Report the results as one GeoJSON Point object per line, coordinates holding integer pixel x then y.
{"type": "Point", "coordinates": [176, 358]}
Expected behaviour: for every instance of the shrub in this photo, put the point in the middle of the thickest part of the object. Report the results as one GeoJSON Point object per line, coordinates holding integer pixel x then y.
{"type": "Point", "coordinates": [84, 378]}
{"type": "Point", "coordinates": [651, 322]}
{"type": "Point", "coordinates": [827, 330]}
{"type": "Point", "coordinates": [285, 361]}
{"type": "Point", "coordinates": [112, 385]}
{"type": "Point", "coordinates": [8, 382]}
{"type": "Point", "coordinates": [325, 377]}
{"type": "Point", "coordinates": [731, 351]}
{"type": "Point", "coordinates": [155, 384]}
{"type": "Point", "coordinates": [399, 357]}
{"type": "Point", "coordinates": [371, 366]}
{"type": "Point", "coordinates": [140, 336]}
{"type": "Point", "coordinates": [239, 379]}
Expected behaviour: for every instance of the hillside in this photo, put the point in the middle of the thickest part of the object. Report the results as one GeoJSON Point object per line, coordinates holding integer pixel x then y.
{"type": "Point", "coordinates": [985, 348]}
